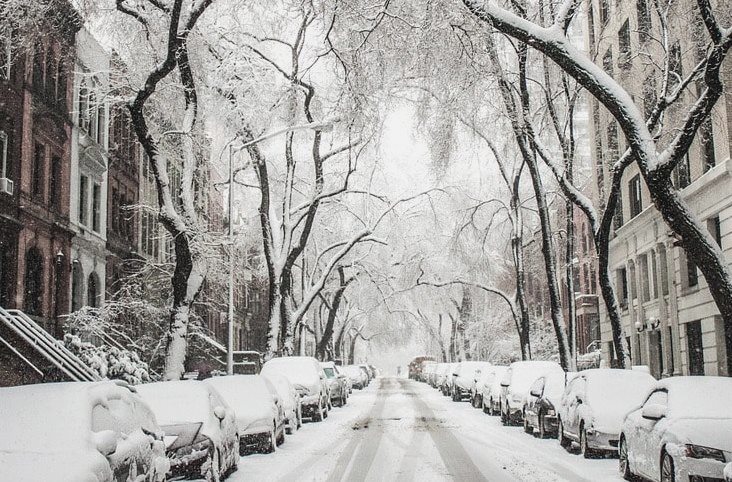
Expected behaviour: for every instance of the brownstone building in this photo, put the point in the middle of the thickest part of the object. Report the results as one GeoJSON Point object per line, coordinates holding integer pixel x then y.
{"type": "Point", "coordinates": [36, 99]}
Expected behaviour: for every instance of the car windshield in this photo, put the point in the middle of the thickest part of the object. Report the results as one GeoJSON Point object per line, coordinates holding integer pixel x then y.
{"type": "Point", "coordinates": [329, 372]}
{"type": "Point", "coordinates": [621, 389]}
{"type": "Point", "coordinates": [176, 402]}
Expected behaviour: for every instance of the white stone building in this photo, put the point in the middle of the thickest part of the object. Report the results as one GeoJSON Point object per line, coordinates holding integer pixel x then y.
{"type": "Point", "coordinates": [670, 320]}
{"type": "Point", "coordinates": [89, 160]}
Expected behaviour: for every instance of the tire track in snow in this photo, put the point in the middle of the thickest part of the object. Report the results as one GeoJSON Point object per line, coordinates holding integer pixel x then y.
{"type": "Point", "coordinates": [359, 454]}
{"type": "Point", "coordinates": [456, 460]}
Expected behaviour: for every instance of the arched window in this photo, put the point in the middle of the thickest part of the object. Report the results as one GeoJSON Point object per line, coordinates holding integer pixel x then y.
{"type": "Point", "coordinates": [92, 290]}
{"type": "Point", "coordinates": [77, 287]}
{"type": "Point", "coordinates": [33, 296]}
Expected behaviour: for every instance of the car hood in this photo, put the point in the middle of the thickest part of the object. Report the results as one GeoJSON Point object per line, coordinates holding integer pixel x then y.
{"type": "Point", "coordinates": [254, 414]}
{"type": "Point", "coordinates": [78, 466]}
{"type": "Point", "coordinates": [708, 432]}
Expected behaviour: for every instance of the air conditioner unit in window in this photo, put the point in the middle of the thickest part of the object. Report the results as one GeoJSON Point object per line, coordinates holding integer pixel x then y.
{"type": "Point", "coordinates": [6, 186]}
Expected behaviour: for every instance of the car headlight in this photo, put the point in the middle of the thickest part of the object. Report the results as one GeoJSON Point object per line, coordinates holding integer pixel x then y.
{"type": "Point", "coordinates": [700, 452]}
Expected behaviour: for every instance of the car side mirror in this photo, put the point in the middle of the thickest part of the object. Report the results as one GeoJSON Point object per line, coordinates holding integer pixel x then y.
{"type": "Point", "coordinates": [220, 412]}
{"type": "Point", "coordinates": [106, 442]}
{"type": "Point", "coordinates": [653, 411]}
{"type": "Point", "coordinates": [535, 393]}
{"type": "Point", "coordinates": [504, 385]}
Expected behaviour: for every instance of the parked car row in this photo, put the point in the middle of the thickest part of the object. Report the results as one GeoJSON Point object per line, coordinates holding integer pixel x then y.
{"type": "Point", "coordinates": [112, 431]}
{"type": "Point", "coordinates": [676, 429]}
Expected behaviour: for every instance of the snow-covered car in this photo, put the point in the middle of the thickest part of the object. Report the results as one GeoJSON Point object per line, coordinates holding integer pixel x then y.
{"type": "Point", "coordinates": [515, 386]}
{"type": "Point", "coordinates": [306, 375]}
{"type": "Point", "coordinates": [260, 417]}
{"type": "Point", "coordinates": [465, 376]}
{"type": "Point", "coordinates": [428, 371]}
{"type": "Point", "coordinates": [369, 371]}
{"type": "Point", "coordinates": [356, 375]}
{"type": "Point", "coordinates": [540, 407]}
{"type": "Point", "coordinates": [439, 375]}
{"type": "Point", "coordinates": [446, 378]}
{"type": "Point", "coordinates": [98, 431]}
{"type": "Point", "coordinates": [201, 436]}
{"type": "Point", "coordinates": [682, 432]}
{"type": "Point", "coordinates": [337, 384]}
{"type": "Point", "coordinates": [489, 387]}
{"type": "Point", "coordinates": [594, 404]}
{"type": "Point", "coordinates": [290, 400]}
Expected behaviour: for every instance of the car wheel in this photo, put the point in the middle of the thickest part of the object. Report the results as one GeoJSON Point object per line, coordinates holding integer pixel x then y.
{"type": "Point", "coordinates": [563, 439]}
{"type": "Point", "coordinates": [527, 427]}
{"type": "Point", "coordinates": [623, 463]}
{"type": "Point", "coordinates": [542, 427]}
{"type": "Point", "coordinates": [281, 438]}
{"type": "Point", "coordinates": [504, 416]}
{"type": "Point", "coordinates": [344, 401]}
{"type": "Point", "coordinates": [299, 417]}
{"type": "Point", "coordinates": [587, 452]}
{"type": "Point", "coordinates": [667, 468]}
{"type": "Point", "coordinates": [486, 408]}
{"type": "Point", "coordinates": [318, 414]}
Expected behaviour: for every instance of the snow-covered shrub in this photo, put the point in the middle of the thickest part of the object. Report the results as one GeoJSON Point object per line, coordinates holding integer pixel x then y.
{"type": "Point", "coordinates": [109, 361]}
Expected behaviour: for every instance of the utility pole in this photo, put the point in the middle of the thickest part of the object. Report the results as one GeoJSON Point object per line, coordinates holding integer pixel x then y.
{"type": "Point", "coordinates": [230, 347]}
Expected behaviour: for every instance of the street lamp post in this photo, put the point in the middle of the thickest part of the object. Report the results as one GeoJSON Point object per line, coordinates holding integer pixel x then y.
{"type": "Point", "coordinates": [325, 126]}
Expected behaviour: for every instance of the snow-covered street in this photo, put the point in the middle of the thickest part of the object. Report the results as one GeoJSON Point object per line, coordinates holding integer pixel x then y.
{"type": "Point", "coordinates": [399, 429]}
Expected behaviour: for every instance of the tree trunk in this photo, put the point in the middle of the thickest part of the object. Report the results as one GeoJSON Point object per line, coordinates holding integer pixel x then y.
{"type": "Point", "coordinates": [327, 336]}
{"type": "Point", "coordinates": [517, 249]}
{"type": "Point", "coordinates": [571, 302]}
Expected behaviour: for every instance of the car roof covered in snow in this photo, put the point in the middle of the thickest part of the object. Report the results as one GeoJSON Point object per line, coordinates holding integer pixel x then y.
{"type": "Point", "coordinates": [54, 417]}
{"type": "Point", "coordinates": [249, 395]}
{"type": "Point", "coordinates": [698, 396]}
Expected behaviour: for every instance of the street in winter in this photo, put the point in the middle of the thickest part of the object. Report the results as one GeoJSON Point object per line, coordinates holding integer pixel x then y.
{"type": "Point", "coordinates": [365, 240]}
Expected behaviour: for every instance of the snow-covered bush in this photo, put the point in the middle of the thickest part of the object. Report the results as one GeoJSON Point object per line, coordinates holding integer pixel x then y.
{"type": "Point", "coordinates": [109, 361]}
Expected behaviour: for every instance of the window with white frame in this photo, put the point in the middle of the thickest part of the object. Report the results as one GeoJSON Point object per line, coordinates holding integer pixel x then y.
{"type": "Point", "coordinates": [92, 109]}
{"type": "Point", "coordinates": [4, 155]}
{"type": "Point", "coordinates": [6, 56]}
{"type": "Point", "coordinates": [83, 197]}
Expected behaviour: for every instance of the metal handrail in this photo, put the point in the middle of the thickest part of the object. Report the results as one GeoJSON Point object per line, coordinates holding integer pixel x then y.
{"type": "Point", "coordinates": [50, 348]}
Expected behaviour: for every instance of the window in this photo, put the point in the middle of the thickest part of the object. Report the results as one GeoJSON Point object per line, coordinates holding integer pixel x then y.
{"type": "Point", "coordinates": [715, 229]}
{"type": "Point", "coordinates": [635, 194]}
{"type": "Point", "coordinates": [83, 190]}
{"type": "Point", "coordinates": [593, 280]}
{"type": "Point", "coordinates": [39, 160]}
{"type": "Point", "coordinates": [682, 173]}
{"type": "Point", "coordinates": [644, 20]}
{"type": "Point", "coordinates": [612, 141]}
{"type": "Point", "coordinates": [83, 106]}
{"type": "Point", "coordinates": [706, 138]}
{"type": "Point", "coordinates": [654, 276]}
{"type": "Point", "coordinates": [692, 275]}
{"type": "Point", "coordinates": [5, 168]}
{"type": "Point", "coordinates": [671, 360]}
{"type": "Point", "coordinates": [33, 299]}
{"type": "Point", "coordinates": [624, 51]}
{"type": "Point", "coordinates": [645, 289]}
{"type": "Point", "coordinates": [621, 281]}
{"type": "Point", "coordinates": [49, 82]}
{"type": "Point", "coordinates": [6, 57]}
{"type": "Point", "coordinates": [55, 182]}
{"type": "Point", "coordinates": [650, 97]}
{"type": "Point", "coordinates": [92, 291]}
{"type": "Point", "coordinates": [96, 207]}
{"type": "Point", "coordinates": [664, 270]}
{"type": "Point", "coordinates": [101, 123]}
{"type": "Point", "coordinates": [618, 215]}
{"type": "Point", "coordinates": [38, 60]}
{"type": "Point", "coordinates": [61, 85]}
{"type": "Point", "coordinates": [695, 348]}
{"type": "Point", "coordinates": [77, 287]}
